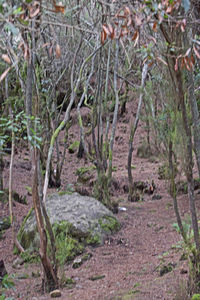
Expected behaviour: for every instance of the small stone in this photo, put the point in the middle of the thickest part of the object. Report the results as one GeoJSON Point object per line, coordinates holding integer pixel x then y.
{"type": "Point", "coordinates": [17, 263]}
{"type": "Point", "coordinates": [55, 294]}
{"type": "Point", "coordinates": [77, 263]}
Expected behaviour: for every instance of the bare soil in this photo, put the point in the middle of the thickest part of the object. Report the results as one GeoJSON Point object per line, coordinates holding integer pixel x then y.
{"type": "Point", "coordinates": [130, 261]}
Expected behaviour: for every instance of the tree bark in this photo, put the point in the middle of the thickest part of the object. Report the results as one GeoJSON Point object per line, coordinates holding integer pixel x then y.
{"type": "Point", "coordinates": [50, 276]}
{"type": "Point", "coordinates": [132, 134]}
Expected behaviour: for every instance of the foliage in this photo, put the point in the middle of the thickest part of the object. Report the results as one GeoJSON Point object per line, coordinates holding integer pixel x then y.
{"type": "Point", "coordinates": [67, 246]}
{"type": "Point", "coordinates": [6, 284]}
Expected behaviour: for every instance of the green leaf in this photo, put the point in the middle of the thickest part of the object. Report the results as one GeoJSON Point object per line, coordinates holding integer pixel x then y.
{"type": "Point", "coordinates": [17, 11]}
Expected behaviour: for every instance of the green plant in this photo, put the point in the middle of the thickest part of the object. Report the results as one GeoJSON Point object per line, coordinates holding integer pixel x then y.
{"type": "Point", "coordinates": [196, 297]}
{"type": "Point", "coordinates": [6, 284]}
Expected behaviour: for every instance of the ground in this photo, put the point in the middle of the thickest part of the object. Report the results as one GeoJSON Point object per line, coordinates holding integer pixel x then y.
{"type": "Point", "coordinates": [130, 262]}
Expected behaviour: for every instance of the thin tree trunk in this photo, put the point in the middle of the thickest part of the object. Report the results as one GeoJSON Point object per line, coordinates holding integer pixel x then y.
{"type": "Point", "coordinates": [189, 161]}
{"type": "Point", "coordinates": [173, 193]}
{"type": "Point", "coordinates": [50, 279]}
{"type": "Point", "coordinates": [132, 133]}
{"type": "Point", "coordinates": [195, 118]}
{"type": "Point", "coordinates": [114, 123]}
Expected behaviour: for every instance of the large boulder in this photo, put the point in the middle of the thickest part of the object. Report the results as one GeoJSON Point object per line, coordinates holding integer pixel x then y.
{"type": "Point", "coordinates": [82, 218]}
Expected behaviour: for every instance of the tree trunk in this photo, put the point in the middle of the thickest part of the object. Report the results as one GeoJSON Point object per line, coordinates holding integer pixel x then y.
{"type": "Point", "coordinates": [50, 280]}
{"type": "Point", "coordinates": [195, 119]}
{"type": "Point", "coordinates": [134, 125]}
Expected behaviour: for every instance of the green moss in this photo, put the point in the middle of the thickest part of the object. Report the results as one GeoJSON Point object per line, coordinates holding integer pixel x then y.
{"type": "Point", "coordinates": [67, 246]}
{"type": "Point", "coordinates": [74, 146]}
{"type": "Point", "coordinates": [109, 224]}
{"type": "Point", "coordinates": [21, 235]}
{"type": "Point", "coordinates": [196, 297]}
{"type": "Point", "coordinates": [30, 257]}
{"type": "Point", "coordinates": [85, 173]}
{"type": "Point", "coordinates": [82, 170]}
{"type": "Point", "coordinates": [93, 240]}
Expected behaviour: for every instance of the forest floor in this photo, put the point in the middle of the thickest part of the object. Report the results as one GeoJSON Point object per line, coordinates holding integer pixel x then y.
{"type": "Point", "coordinates": [130, 263]}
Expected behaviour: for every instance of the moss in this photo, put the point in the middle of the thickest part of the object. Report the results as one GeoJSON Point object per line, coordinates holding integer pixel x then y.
{"type": "Point", "coordinates": [67, 246]}
{"type": "Point", "coordinates": [30, 257]}
{"type": "Point", "coordinates": [21, 236]}
{"type": "Point", "coordinates": [196, 297]}
{"type": "Point", "coordinates": [62, 193]}
{"type": "Point", "coordinates": [109, 224]}
{"type": "Point", "coordinates": [93, 240]}
{"type": "Point", "coordinates": [74, 146]}
{"type": "Point", "coordinates": [82, 170]}
{"type": "Point", "coordinates": [85, 173]}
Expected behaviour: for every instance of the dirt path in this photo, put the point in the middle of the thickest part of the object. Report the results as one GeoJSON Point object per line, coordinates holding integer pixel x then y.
{"type": "Point", "coordinates": [130, 261]}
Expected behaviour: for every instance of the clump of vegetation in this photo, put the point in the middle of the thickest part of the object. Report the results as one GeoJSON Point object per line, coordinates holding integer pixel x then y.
{"type": "Point", "coordinates": [85, 173]}
{"type": "Point", "coordinates": [74, 147]}
{"type": "Point", "coordinates": [67, 246]}
{"type": "Point", "coordinates": [7, 283]}
{"type": "Point", "coordinates": [109, 224]}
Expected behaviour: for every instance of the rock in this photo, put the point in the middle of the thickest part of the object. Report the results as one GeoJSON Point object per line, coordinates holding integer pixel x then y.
{"type": "Point", "coordinates": [55, 294]}
{"type": "Point", "coordinates": [88, 220]}
{"type": "Point", "coordinates": [80, 260]}
{"type": "Point", "coordinates": [17, 263]}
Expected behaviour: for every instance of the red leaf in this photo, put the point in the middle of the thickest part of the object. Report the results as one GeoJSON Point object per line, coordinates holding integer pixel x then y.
{"type": "Point", "coordinates": [196, 52]}
{"type": "Point", "coordinates": [155, 26]}
{"type": "Point", "coordinates": [4, 74]}
{"type": "Point", "coordinates": [176, 65]}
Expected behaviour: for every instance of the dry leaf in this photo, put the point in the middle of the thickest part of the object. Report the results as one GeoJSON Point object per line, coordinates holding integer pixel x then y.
{"type": "Point", "coordinates": [155, 26]}
{"type": "Point", "coordinates": [58, 51]}
{"type": "Point", "coordinates": [135, 36]}
{"type": "Point", "coordinates": [45, 45]}
{"type": "Point", "coordinates": [34, 13]}
{"type": "Point", "coordinates": [187, 52]}
{"type": "Point", "coordinates": [176, 65]}
{"type": "Point", "coordinates": [186, 63]}
{"type": "Point", "coordinates": [6, 58]}
{"type": "Point", "coordinates": [106, 29]}
{"type": "Point", "coordinates": [196, 52]}
{"type": "Point", "coordinates": [162, 60]}
{"type": "Point", "coordinates": [103, 37]}
{"type": "Point", "coordinates": [4, 74]}
{"type": "Point", "coordinates": [138, 21]}
{"type": "Point", "coordinates": [59, 8]}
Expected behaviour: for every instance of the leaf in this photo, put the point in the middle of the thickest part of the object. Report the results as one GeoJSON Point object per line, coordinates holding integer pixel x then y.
{"type": "Point", "coordinates": [176, 65]}
{"type": "Point", "coordinates": [6, 58]}
{"type": "Point", "coordinates": [58, 51]}
{"type": "Point", "coordinates": [162, 60]}
{"type": "Point", "coordinates": [186, 5]}
{"type": "Point", "coordinates": [4, 74]}
{"type": "Point", "coordinates": [135, 35]}
{"type": "Point", "coordinates": [155, 26]}
{"type": "Point", "coordinates": [106, 29]}
{"type": "Point", "coordinates": [103, 37]}
{"type": "Point", "coordinates": [187, 52]}
{"type": "Point", "coordinates": [34, 13]}
{"type": "Point", "coordinates": [59, 8]}
{"type": "Point", "coordinates": [186, 60]}
{"type": "Point", "coordinates": [138, 21]}
{"type": "Point", "coordinates": [196, 52]}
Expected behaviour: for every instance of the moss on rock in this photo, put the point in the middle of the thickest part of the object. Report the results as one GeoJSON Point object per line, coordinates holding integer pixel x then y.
{"type": "Point", "coordinates": [109, 224]}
